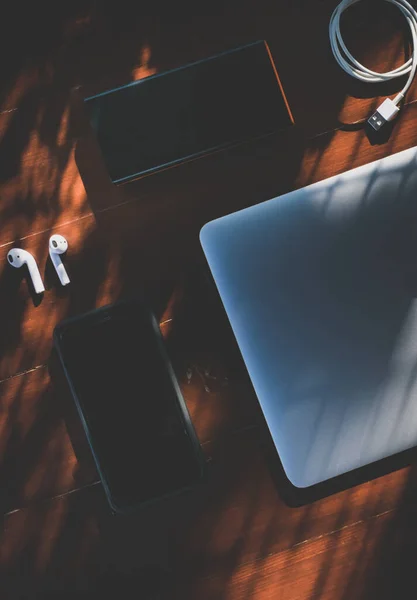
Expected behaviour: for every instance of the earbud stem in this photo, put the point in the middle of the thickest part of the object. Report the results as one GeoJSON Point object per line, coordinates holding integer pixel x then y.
{"type": "Point", "coordinates": [35, 276]}
{"type": "Point", "coordinates": [59, 268]}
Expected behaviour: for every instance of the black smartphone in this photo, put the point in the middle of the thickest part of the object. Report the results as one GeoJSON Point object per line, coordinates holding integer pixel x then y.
{"type": "Point", "coordinates": [181, 114]}
{"type": "Point", "coordinates": [130, 404]}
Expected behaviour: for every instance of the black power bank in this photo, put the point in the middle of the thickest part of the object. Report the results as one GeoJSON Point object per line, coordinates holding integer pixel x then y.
{"type": "Point", "coordinates": [190, 111]}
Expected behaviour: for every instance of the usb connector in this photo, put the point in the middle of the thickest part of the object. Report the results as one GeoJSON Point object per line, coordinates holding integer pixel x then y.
{"type": "Point", "coordinates": [386, 112]}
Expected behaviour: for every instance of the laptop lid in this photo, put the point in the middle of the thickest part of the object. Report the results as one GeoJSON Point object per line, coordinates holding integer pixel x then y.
{"type": "Point", "coordinates": [320, 289]}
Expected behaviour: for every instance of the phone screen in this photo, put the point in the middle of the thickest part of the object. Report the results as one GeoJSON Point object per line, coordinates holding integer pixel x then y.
{"type": "Point", "coordinates": [189, 111]}
{"type": "Point", "coordinates": [140, 434]}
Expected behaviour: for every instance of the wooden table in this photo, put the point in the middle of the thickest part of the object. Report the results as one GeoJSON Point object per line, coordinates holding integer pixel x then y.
{"type": "Point", "coordinates": [232, 537]}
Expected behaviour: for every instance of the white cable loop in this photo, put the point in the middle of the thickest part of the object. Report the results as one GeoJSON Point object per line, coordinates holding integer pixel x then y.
{"type": "Point", "coordinates": [354, 68]}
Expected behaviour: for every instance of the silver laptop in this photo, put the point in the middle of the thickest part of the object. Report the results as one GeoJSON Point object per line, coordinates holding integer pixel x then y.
{"type": "Point", "coordinates": [320, 289]}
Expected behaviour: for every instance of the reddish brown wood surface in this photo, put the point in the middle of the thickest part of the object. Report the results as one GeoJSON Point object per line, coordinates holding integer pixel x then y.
{"type": "Point", "coordinates": [233, 536]}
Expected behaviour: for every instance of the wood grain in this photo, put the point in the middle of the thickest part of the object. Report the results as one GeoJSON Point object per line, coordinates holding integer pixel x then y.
{"type": "Point", "coordinates": [230, 538]}
{"type": "Point", "coordinates": [233, 536]}
{"type": "Point", "coordinates": [342, 564]}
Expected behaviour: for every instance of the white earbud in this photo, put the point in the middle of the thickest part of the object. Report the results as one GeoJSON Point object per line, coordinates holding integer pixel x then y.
{"type": "Point", "coordinates": [18, 257]}
{"type": "Point", "coordinates": [58, 245]}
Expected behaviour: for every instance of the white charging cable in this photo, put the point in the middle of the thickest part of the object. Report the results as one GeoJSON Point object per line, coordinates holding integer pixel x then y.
{"type": "Point", "coordinates": [389, 108]}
